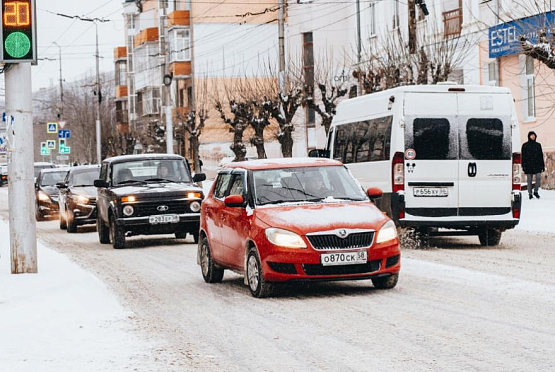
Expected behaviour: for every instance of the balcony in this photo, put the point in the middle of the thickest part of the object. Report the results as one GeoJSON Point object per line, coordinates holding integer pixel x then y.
{"type": "Point", "coordinates": [122, 91]}
{"type": "Point", "coordinates": [120, 53]}
{"type": "Point", "coordinates": [180, 69]}
{"type": "Point", "coordinates": [178, 18]}
{"type": "Point", "coordinates": [146, 35]}
{"type": "Point", "coordinates": [452, 23]}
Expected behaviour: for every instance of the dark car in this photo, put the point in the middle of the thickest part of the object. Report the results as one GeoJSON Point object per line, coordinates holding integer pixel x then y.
{"type": "Point", "coordinates": [47, 192]}
{"type": "Point", "coordinates": [78, 198]}
{"type": "Point", "coordinates": [38, 166]}
{"type": "Point", "coordinates": [147, 194]}
{"type": "Point", "coordinates": [3, 175]}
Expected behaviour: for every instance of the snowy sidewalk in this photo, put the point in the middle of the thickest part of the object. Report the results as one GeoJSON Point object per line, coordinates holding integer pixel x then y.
{"type": "Point", "coordinates": [538, 215]}
{"type": "Point", "coordinates": [62, 319]}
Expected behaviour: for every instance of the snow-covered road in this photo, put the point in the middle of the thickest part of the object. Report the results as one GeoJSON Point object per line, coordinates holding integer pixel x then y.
{"type": "Point", "coordinates": [457, 307]}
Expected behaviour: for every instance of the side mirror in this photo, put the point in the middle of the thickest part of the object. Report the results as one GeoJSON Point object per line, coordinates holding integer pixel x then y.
{"type": "Point", "coordinates": [318, 153]}
{"type": "Point", "coordinates": [234, 201]}
{"type": "Point", "coordinates": [61, 185]}
{"type": "Point", "coordinates": [100, 183]}
{"type": "Point", "coordinates": [374, 193]}
{"type": "Point", "coordinates": [199, 177]}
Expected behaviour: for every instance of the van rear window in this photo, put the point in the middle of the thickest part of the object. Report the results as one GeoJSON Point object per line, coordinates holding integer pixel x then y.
{"type": "Point", "coordinates": [431, 139]}
{"type": "Point", "coordinates": [363, 141]}
{"type": "Point", "coordinates": [487, 139]}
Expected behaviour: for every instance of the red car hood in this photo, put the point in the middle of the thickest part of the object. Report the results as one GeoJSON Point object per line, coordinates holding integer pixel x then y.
{"type": "Point", "coordinates": [304, 219]}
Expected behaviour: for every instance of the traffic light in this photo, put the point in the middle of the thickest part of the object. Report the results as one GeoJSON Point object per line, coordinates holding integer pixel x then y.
{"type": "Point", "coordinates": [19, 34]}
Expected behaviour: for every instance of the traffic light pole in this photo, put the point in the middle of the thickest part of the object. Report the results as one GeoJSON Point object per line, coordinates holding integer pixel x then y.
{"type": "Point", "coordinates": [19, 110]}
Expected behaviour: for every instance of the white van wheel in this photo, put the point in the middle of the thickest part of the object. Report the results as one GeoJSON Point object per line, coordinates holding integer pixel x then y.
{"type": "Point", "coordinates": [490, 237]}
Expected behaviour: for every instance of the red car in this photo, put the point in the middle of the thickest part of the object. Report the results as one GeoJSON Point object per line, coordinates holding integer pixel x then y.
{"type": "Point", "coordinates": [295, 220]}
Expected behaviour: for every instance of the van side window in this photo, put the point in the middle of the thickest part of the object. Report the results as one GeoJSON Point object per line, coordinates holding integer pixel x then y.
{"type": "Point", "coordinates": [431, 139]}
{"type": "Point", "coordinates": [486, 139]}
{"type": "Point", "coordinates": [364, 141]}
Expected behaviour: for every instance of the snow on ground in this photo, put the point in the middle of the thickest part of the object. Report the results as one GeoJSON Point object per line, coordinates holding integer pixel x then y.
{"type": "Point", "coordinates": [538, 215]}
{"type": "Point", "coordinates": [62, 319]}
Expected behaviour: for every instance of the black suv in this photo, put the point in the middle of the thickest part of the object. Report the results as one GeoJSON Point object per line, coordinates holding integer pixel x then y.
{"type": "Point", "coordinates": [147, 194]}
{"type": "Point", "coordinates": [78, 197]}
{"type": "Point", "coordinates": [46, 191]}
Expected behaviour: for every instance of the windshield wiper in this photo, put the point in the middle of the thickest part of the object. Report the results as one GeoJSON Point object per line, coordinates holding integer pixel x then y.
{"type": "Point", "coordinates": [130, 181]}
{"type": "Point", "coordinates": [347, 198]}
{"type": "Point", "coordinates": [159, 180]}
{"type": "Point", "coordinates": [81, 185]}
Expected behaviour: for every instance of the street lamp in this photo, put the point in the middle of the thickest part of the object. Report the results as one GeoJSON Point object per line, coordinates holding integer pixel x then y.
{"type": "Point", "coordinates": [61, 81]}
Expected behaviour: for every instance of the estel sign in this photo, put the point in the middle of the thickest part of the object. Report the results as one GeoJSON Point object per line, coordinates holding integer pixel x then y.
{"type": "Point", "coordinates": [504, 39]}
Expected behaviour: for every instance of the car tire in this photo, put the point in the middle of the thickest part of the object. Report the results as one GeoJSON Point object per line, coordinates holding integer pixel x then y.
{"type": "Point", "coordinates": [387, 282]}
{"type": "Point", "coordinates": [38, 214]}
{"type": "Point", "coordinates": [490, 237]}
{"type": "Point", "coordinates": [63, 223]}
{"type": "Point", "coordinates": [71, 225]}
{"type": "Point", "coordinates": [210, 272]}
{"type": "Point", "coordinates": [117, 235]}
{"type": "Point", "coordinates": [258, 286]}
{"type": "Point", "coordinates": [195, 236]}
{"type": "Point", "coordinates": [103, 231]}
{"type": "Point", "coordinates": [180, 234]}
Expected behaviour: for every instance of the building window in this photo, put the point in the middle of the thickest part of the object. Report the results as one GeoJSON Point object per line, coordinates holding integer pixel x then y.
{"type": "Point", "coordinates": [308, 71]}
{"type": "Point", "coordinates": [395, 14]}
{"type": "Point", "coordinates": [530, 88]}
{"type": "Point", "coordinates": [372, 19]}
{"type": "Point", "coordinates": [121, 70]}
{"type": "Point", "coordinates": [452, 18]}
{"type": "Point", "coordinates": [493, 74]}
{"type": "Point", "coordinates": [179, 45]}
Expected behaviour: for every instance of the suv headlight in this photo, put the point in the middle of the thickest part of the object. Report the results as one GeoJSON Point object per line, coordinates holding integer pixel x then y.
{"type": "Point", "coordinates": [81, 199]}
{"type": "Point", "coordinates": [284, 238]}
{"type": "Point", "coordinates": [387, 233]}
{"type": "Point", "coordinates": [43, 196]}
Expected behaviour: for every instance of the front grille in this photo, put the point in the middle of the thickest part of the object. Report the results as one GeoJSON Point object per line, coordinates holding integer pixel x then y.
{"type": "Point", "coordinates": [331, 242]}
{"type": "Point", "coordinates": [151, 208]}
{"type": "Point", "coordinates": [369, 267]}
{"type": "Point", "coordinates": [283, 268]}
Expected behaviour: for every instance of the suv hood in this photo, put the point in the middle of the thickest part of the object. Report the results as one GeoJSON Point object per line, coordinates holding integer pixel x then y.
{"type": "Point", "coordinates": [156, 189]}
{"type": "Point", "coordinates": [89, 191]}
{"type": "Point", "coordinates": [307, 218]}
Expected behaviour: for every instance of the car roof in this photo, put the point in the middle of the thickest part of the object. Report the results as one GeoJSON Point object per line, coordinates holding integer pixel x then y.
{"type": "Point", "coordinates": [83, 167]}
{"type": "Point", "coordinates": [43, 163]}
{"type": "Point", "coordinates": [53, 170]}
{"type": "Point", "coordinates": [282, 163]}
{"type": "Point", "coordinates": [124, 158]}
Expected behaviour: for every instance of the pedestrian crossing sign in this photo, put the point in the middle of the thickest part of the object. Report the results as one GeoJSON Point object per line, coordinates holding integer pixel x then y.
{"type": "Point", "coordinates": [52, 127]}
{"type": "Point", "coordinates": [51, 144]}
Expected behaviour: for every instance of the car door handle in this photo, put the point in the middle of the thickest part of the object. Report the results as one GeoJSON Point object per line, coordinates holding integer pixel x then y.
{"type": "Point", "coordinates": [472, 169]}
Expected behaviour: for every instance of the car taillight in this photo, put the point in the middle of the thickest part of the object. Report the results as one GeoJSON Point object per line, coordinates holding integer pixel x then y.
{"type": "Point", "coordinates": [516, 212]}
{"type": "Point", "coordinates": [517, 170]}
{"type": "Point", "coordinates": [398, 172]}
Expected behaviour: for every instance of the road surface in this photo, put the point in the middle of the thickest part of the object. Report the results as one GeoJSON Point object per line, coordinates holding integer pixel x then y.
{"type": "Point", "coordinates": [458, 306]}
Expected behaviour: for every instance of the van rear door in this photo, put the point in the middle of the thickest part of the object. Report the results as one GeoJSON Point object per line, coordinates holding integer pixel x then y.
{"type": "Point", "coordinates": [485, 168]}
{"type": "Point", "coordinates": [432, 155]}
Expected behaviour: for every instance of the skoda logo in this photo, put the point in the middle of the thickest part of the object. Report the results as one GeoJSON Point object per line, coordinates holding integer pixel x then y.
{"type": "Point", "coordinates": [342, 234]}
{"type": "Point", "coordinates": [163, 208]}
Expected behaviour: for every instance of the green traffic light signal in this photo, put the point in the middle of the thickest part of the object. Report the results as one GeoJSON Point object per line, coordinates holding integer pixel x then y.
{"type": "Point", "coordinates": [17, 44]}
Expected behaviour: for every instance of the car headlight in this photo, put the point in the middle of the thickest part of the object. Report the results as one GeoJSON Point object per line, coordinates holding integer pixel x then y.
{"type": "Point", "coordinates": [195, 206]}
{"type": "Point", "coordinates": [43, 196]}
{"type": "Point", "coordinates": [387, 233]}
{"type": "Point", "coordinates": [194, 195]}
{"type": "Point", "coordinates": [128, 199]}
{"type": "Point", "coordinates": [284, 238]}
{"type": "Point", "coordinates": [81, 199]}
{"type": "Point", "coordinates": [128, 210]}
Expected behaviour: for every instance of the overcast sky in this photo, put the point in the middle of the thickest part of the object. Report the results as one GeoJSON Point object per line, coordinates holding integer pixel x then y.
{"type": "Point", "coordinates": [77, 39]}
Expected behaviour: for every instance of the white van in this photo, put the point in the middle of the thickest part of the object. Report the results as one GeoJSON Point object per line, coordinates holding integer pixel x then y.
{"type": "Point", "coordinates": [446, 156]}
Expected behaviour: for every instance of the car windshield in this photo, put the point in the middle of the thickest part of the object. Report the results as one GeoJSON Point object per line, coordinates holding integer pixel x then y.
{"type": "Point", "coordinates": [306, 184]}
{"type": "Point", "coordinates": [38, 168]}
{"type": "Point", "coordinates": [150, 171]}
{"type": "Point", "coordinates": [52, 178]}
{"type": "Point", "coordinates": [84, 177]}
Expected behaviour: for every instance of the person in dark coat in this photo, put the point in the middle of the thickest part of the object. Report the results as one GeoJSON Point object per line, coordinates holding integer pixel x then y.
{"type": "Point", "coordinates": [532, 163]}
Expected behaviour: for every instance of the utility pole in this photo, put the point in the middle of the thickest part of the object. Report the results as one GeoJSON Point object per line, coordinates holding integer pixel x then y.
{"type": "Point", "coordinates": [281, 36]}
{"type": "Point", "coordinates": [359, 47]}
{"type": "Point", "coordinates": [19, 113]}
{"type": "Point", "coordinates": [166, 78]}
{"type": "Point", "coordinates": [99, 100]}
{"type": "Point", "coordinates": [412, 26]}
{"type": "Point", "coordinates": [61, 82]}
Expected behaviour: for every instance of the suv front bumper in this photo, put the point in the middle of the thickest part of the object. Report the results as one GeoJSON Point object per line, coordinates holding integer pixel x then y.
{"type": "Point", "coordinates": [188, 222]}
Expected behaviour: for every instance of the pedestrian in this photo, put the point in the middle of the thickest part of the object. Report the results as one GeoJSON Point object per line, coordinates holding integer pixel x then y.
{"type": "Point", "coordinates": [532, 163]}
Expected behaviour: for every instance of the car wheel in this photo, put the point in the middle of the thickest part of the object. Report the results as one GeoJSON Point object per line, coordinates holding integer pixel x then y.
{"type": "Point", "coordinates": [210, 272]}
{"type": "Point", "coordinates": [117, 235]}
{"type": "Point", "coordinates": [63, 223]}
{"type": "Point", "coordinates": [257, 285]}
{"type": "Point", "coordinates": [71, 225]}
{"type": "Point", "coordinates": [180, 234]}
{"type": "Point", "coordinates": [38, 214]}
{"type": "Point", "coordinates": [387, 282]}
{"type": "Point", "coordinates": [195, 236]}
{"type": "Point", "coordinates": [103, 232]}
{"type": "Point", "coordinates": [490, 237]}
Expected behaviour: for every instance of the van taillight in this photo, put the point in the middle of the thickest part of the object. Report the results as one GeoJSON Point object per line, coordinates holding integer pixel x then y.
{"type": "Point", "coordinates": [398, 172]}
{"type": "Point", "coordinates": [517, 171]}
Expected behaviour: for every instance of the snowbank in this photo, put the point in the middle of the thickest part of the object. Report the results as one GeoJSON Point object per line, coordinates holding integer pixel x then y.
{"type": "Point", "coordinates": [62, 319]}
{"type": "Point", "coordinates": [538, 215]}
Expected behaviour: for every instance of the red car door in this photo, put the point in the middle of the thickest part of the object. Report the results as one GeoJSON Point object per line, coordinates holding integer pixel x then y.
{"type": "Point", "coordinates": [235, 222]}
{"type": "Point", "coordinates": [213, 207]}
